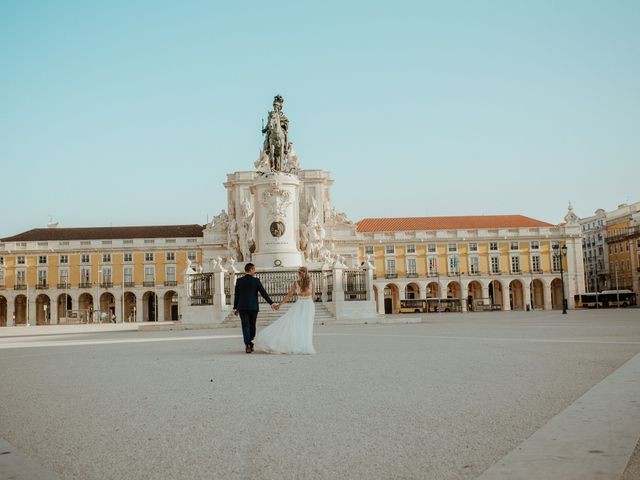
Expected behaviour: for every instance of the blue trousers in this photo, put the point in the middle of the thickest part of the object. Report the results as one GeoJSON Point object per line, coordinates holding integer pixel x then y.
{"type": "Point", "coordinates": [248, 320]}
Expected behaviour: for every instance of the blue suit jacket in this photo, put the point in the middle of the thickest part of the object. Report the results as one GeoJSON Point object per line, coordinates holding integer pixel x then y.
{"type": "Point", "coordinates": [246, 293]}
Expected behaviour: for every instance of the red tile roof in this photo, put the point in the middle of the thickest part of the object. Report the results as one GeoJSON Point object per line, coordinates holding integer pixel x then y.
{"type": "Point", "coordinates": [447, 223]}
{"type": "Point", "coordinates": [107, 233]}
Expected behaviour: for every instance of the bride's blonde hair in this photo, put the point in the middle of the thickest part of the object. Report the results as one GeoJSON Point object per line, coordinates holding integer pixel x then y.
{"type": "Point", "coordinates": [304, 280]}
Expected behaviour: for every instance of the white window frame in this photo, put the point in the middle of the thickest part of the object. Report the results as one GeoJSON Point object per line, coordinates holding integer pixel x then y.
{"type": "Point", "coordinates": [127, 257]}
{"type": "Point", "coordinates": [412, 266]}
{"type": "Point", "coordinates": [43, 277]}
{"type": "Point", "coordinates": [170, 273]}
{"type": "Point", "coordinates": [149, 257]}
{"type": "Point", "coordinates": [192, 255]}
{"type": "Point", "coordinates": [127, 274]}
{"type": "Point", "coordinates": [534, 245]}
{"type": "Point", "coordinates": [21, 260]}
{"type": "Point", "coordinates": [106, 258]}
{"type": "Point", "coordinates": [42, 259]}
{"type": "Point", "coordinates": [390, 266]}
{"type": "Point", "coordinates": [411, 248]}
{"type": "Point", "coordinates": [170, 256]}
{"type": "Point", "coordinates": [453, 264]}
{"type": "Point", "coordinates": [491, 249]}
{"type": "Point", "coordinates": [474, 264]}
{"type": "Point", "coordinates": [152, 269]}
{"type": "Point", "coordinates": [389, 249]}
{"type": "Point", "coordinates": [452, 247]}
{"type": "Point", "coordinates": [494, 263]}
{"type": "Point", "coordinates": [517, 246]}
{"type": "Point", "coordinates": [107, 274]}
{"type": "Point", "coordinates": [85, 258]}
{"type": "Point", "coordinates": [63, 276]}
{"type": "Point", "coordinates": [84, 280]}
{"type": "Point", "coordinates": [536, 259]}
{"type": "Point", "coordinates": [21, 276]}
{"type": "Point", "coordinates": [514, 263]}
{"type": "Point", "coordinates": [473, 247]}
{"type": "Point", "coordinates": [368, 250]}
{"type": "Point", "coordinates": [64, 260]}
{"type": "Point", "coordinates": [432, 248]}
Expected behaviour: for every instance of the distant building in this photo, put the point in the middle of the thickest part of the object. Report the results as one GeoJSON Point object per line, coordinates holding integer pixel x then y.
{"type": "Point", "coordinates": [70, 275]}
{"type": "Point", "coordinates": [611, 248]}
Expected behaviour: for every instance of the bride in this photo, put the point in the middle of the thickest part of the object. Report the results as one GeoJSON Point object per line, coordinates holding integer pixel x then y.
{"type": "Point", "coordinates": [293, 331]}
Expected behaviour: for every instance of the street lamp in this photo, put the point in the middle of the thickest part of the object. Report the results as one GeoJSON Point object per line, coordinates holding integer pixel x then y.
{"type": "Point", "coordinates": [561, 252]}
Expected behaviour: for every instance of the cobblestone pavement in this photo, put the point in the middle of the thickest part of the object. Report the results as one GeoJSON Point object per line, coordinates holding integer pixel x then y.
{"type": "Point", "coordinates": [442, 399]}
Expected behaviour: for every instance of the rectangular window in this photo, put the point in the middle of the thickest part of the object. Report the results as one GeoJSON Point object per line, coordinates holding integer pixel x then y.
{"type": "Point", "coordinates": [535, 264]}
{"type": "Point", "coordinates": [42, 278]}
{"type": "Point", "coordinates": [106, 275]}
{"type": "Point", "coordinates": [85, 242]}
{"type": "Point", "coordinates": [615, 248]}
{"type": "Point", "coordinates": [391, 266]}
{"type": "Point", "coordinates": [453, 264]}
{"type": "Point", "coordinates": [192, 240]}
{"type": "Point", "coordinates": [128, 275]}
{"type": "Point", "coordinates": [171, 274]}
{"type": "Point", "coordinates": [368, 250]}
{"type": "Point", "coordinates": [106, 242]}
{"type": "Point", "coordinates": [128, 241]}
{"type": "Point", "coordinates": [148, 240]}
{"type": "Point", "coordinates": [495, 264]}
{"type": "Point", "coordinates": [411, 266]}
{"type": "Point", "coordinates": [21, 277]}
{"type": "Point", "coordinates": [473, 247]}
{"type": "Point", "coordinates": [1, 260]}
{"type": "Point", "coordinates": [474, 265]}
{"type": "Point", "coordinates": [555, 262]}
{"type": "Point", "coordinates": [390, 249]}
{"type": "Point", "coordinates": [148, 257]}
{"type": "Point", "coordinates": [170, 240]}
{"type": "Point", "coordinates": [514, 246]}
{"type": "Point", "coordinates": [127, 257]}
{"type": "Point", "coordinates": [411, 248]}
{"type": "Point", "coordinates": [515, 264]}
{"type": "Point", "coordinates": [493, 246]}
{"type": "Point", "coordinates": [431, 248]}
{"type": "Point", "coordinates": [63, 244]}
{"type": "Point", "coordinates": [1, 277]}
{"type": "Point", "coordinates": [106, 258]}
{"type": "Point", "coordinates": [63, 276]}
{"type": "Point", "coordinates": [43, 244]}
{"type": "Point", "coordinates": [64, 259]}
{"type": "Point", "coordinates": [171, 256]}
{"type": "Point", "coordinates": [85, 275]}
{"type": "Point", "coordinates": [535, 245]}
{"type": "Point", "coordinates": [191, 256]}
{"type": "Point", "coordinates": [432, 265]}
{"type": "Point", "coordinates": [452, 247]}
{"type": "Point", "coordinates": [42, 259]}
{"type": "Point", "coordinates": [85, 258]}
{"type": "Point", "coordinates": [149, 274]}
{"type": "Point", "coordinates": [20, 260]}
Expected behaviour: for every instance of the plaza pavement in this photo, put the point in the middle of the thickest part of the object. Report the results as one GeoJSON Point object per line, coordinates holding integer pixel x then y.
{"type": "Point", "coordinates": [453, 397]}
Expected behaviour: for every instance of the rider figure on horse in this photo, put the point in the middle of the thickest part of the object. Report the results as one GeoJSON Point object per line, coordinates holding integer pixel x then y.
{"type": "Point", "coordinates": [284, 123]}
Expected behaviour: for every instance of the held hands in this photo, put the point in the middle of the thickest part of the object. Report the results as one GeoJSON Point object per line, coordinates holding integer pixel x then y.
{"type": "Point", "coordinates": [275, 306]}
{"type": "Point", "coordinates": [236, 313]}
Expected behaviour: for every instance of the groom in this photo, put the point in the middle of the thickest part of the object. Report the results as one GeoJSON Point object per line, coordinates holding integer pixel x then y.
{"type": "Point", "coordinates": [245, 303]}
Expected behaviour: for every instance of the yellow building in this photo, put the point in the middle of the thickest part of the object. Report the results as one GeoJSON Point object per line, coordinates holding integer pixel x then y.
{"type": "Point", "coordinates": [484, 262]}
{"type": "Point", "coordinates": [623, 246]}
{"type": "Point", "coordinates": [70, 275]}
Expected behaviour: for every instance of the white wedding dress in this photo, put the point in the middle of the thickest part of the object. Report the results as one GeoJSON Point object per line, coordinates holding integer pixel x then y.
{"type": "Point", "coordinates": [292, 332]}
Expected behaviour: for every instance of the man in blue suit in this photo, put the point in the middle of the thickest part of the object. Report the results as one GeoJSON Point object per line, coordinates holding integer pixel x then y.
{"type": "Point", "coordinates": [245, 303]}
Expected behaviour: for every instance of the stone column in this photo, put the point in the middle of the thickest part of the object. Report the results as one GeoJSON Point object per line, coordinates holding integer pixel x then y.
{"type": "Point", "coordinates": [10, 311]}
{"type": "Point", "coordinates": [219, 297]}
{"type": "Point", "coordinates": [31, 310]}
{"type": "Point", "coordinates": [527, 296]}
{"type": "Point", "coordinates": [160, 309]}
{"type": "Point", "coordinates": [485, 293]}
{"type": "Point", "coordinates": [506, 297]}
{"type": "Point", "coordinates": [119, 306]}
{"type": "Point", "coordinates": [380, 305]}
{"type": "Point", "coordinates": [140, 308]}
{"type": "Point", "coordinates": [547, 296]}
{"type": "Point", "coordinates": [338, 287]}
{"type": "Point", "coordinates": [464, 292]}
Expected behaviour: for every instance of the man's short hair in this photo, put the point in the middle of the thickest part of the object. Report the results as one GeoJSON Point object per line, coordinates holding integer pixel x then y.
{"type": "Point", "coordinates": [248, 267]}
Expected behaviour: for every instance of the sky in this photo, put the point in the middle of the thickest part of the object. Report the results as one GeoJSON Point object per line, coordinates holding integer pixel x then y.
{"type": "Point", "coordinates": [133, 112]}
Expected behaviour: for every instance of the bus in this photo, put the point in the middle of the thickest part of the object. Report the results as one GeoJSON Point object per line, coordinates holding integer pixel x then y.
{"type": "Point", "coordinates": [444, 305]}
{"type": "Point", "coordinates": [413, 306]}
{"type": "Point", "coordinates": [606, 299]}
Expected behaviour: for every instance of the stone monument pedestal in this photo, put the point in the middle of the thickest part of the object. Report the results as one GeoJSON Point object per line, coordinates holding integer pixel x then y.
{"type": "Point", "coordinates": [276, 221]}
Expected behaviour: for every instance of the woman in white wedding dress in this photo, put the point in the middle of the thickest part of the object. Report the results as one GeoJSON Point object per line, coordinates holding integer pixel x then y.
{"type": "Point", "coordinates": [293, 331]}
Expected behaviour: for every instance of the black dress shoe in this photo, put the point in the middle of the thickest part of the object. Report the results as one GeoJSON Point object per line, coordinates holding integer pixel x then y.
{"type": "Point", "coordinates": [248, 349]}
{"type": "Point", "coordinates": [251, 345]}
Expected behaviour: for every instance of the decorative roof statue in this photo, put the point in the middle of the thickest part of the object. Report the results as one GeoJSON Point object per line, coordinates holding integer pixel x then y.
{"type": "Point", "coordinates": [276, 141]}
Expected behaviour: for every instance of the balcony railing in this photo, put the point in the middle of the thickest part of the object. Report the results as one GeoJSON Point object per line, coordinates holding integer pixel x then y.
{"type": "Point", "coordinates": [85, 285]}
{"type": "Point", "coordinates": [2, 286]}
{"type": "Point", "coordinates": [474, 273]}
{"type": "Point", "coordinates": [42, 286]}
{"type": "Point", "coordinates": [106, 285]}
{"type": "Point", "coordinates": [536, 270]}
{"type": "Point", "coordinates": [412, 275]}
{"type": "Point", "coordinates": [516, 272]}
{"type": "Point", "coordinates": [170, 283]}
{"type": "Point", "coordinates": [63, 285]}
{"type": "Point", "coordinates": [391, 275]}
{"type": "Point", "coordinates": [148, 284]}
{"type": "Point", "coordinates": [20, 286]}
{"type": "Point", "coordinates": [129, 284]}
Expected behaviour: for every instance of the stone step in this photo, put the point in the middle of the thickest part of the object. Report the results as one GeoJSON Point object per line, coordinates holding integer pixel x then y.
{"type": "Point", "coordinates": [267, 316]}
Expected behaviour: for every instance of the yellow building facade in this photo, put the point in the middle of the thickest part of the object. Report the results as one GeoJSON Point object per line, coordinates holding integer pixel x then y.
{"type": "Point", "coordinates": [491, 262]}
{"type": "Point", "coordinates": [623, 247]}
{"type": "Point", "coordinates": [73, 275]}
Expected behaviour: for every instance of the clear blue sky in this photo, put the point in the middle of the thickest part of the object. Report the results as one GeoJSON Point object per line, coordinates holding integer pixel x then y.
{"type": "Point", "coordinates": [133, 112]}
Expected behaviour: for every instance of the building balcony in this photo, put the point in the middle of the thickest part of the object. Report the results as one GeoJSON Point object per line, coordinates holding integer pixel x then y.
{"type": "Point", "coordinates": [42, 286]}
{"type": "Point", "coordinates": [170, 283]}
{"type": "Point", "coordinates": [2, 286]}
{"type": "Point", "coordinates": [85, 285]}
{"type": "Point", "coordinates": [106, 285]}
{"type": "Point", "coordinates": [474, 273]}
{"type": "Point", "coordinates": [516, 272]}
{"type": "Point", "coordinates": [149, 284]}
{"type": "Point", "coordinates": [391, 275]}
{"type": "Point", "coordinates": [129, 284]}
{"type": "Point", "coordinates": [497, 272]}
{"type": "Point", "coordinates": [536, 270]}
{"type": "Point", "coordinates": [20, 286]}
{"type": "Point", "coordinates": [412, 275]}
{"type": "Point", "coordinates": [63, 286]}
